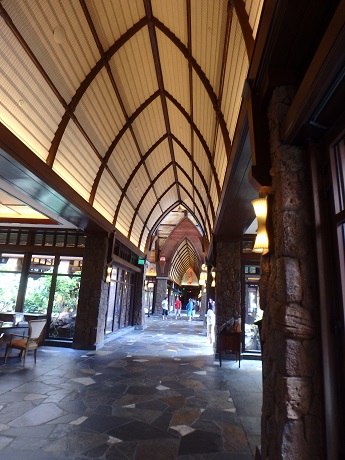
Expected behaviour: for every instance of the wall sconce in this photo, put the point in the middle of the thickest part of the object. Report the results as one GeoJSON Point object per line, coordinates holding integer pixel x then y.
{"type": "Point", "coordinates": [213, 273]}
{"type": "Point", "coordinates": [150, 286]}
{"type": "Point", "coordinates": [261, 240]}
{"type": "Point", "coordinates": [162, 263]}
{"type": "Point", "coordinates": [108, 278]}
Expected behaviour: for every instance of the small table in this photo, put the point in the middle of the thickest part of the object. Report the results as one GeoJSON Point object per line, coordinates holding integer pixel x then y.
{"type": "Point", "coordinates": [230, 341]}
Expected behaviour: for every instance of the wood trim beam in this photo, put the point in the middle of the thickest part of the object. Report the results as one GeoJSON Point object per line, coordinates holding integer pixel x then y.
{"type": "Point", "coordinates": [85, 85]}
{"type": "Point", "coordinates": [247, 31]}
{"type": "Point", "coordinates": [116, 141]}
{"type": "Point", "coordinates": [322, 72]}
{"type": "Point", "coordinates": [200, 175]}
{"type": "Point", "coordinates": [203, 78]}
{"type": "Point", "coordinates": [156, 58]}
{"type": "Point", "coordinates": [201, 139]}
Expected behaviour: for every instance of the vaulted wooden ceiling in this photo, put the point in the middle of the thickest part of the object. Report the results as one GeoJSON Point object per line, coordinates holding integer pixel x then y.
{"type": "Point", "coordinates": [132, 104]}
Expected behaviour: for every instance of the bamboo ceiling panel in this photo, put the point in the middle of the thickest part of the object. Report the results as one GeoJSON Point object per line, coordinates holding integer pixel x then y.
{"type": "Point", "coordinates": [175, 71]}
{"type": "Point", "coordinates": [124, 158]}
{"type": "Point", "coordinates": [173, 15]}
{"type": "Point", "coordinates": [107, 196]}
{"type": "Point", "coordinates": [179, 125]}
{"type": "Point", "coordinates": [254, 8]}
{"type": "Point", "coordinates": [134, 104]}
{"type": "Point", "coordinates": [182, 159]}
{"type": "Point", "coordinates": [208, 28]}
{"type": "Point", "coordinates": [99, 113]}
{"type": "Point", "coordinates": [204, 115]}
{"type": "Point", "coordinates": [201, 159]}
{"type": "Point", "coordinates": [152, 116]}
{"type": "Point", "coordinates": [220, 157]}
{"type": "Point", "coordinates": [235, 76]}
{"type": "Point", "coordinates": [133, 70]}
{"type": "Point", "coordinates": [113, 19]}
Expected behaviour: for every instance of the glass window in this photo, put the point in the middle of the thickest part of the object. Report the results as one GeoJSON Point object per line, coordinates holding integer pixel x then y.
{"type": "Point", "coordinates": [60, 240]}
{"type": "Point", "coordinates": [66, 296]}
{"type": "Point", "coordinates": [38, 239]}
{"type": "Point", "coordinates": [42, 264]}
{"type": "Point", "coordinates": [10, 273]}
{"type": "Point", "coordinates": [37, 293]}
{"type": "Point", "coordinates": [13, 238]}
{"type": "Point", "coordinates": [23, 239]}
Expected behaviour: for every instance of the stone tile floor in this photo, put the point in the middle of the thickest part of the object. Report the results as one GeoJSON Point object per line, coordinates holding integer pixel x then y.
{"type": "Point", "coordinates": [152, 394]}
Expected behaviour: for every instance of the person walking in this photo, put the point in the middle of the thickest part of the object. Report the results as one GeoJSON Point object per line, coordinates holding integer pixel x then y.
{"type": "Point", "coordinates": [165, 308]}
{"type": "Point", "coordinates": [189, 309]}
{"type": "Point", "coordinates": [177, 305]}
{"type": "Point", "coordinates": [211, 322]}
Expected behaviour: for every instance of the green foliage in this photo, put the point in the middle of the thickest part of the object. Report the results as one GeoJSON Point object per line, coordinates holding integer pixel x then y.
{"type": "Point", "coordinates": [37, 294]}
{"type": "Point", "coordinates": [66, 294]}
{"type": "Point", "coordinates": [9, 284]}
{"type": "Point", "coordinates": [38, 291]}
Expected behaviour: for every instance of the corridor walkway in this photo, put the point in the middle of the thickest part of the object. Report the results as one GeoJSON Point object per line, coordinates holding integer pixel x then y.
{"type": "Point", "coordinates": [152, 394]}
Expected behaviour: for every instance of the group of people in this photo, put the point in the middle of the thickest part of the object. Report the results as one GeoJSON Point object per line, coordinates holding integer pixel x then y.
{"type": "Point", "coordinates": [191, 309]}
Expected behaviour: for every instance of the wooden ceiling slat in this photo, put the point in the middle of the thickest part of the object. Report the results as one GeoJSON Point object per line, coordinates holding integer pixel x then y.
{"type": "Point", "coordinates": [247, 31]}
{"type": "Point", "coordinates": [202, 140]}
{"type": "Point", "coordinates": [155, 51]}
{"type": "Point", "coordinates": [203, 78]}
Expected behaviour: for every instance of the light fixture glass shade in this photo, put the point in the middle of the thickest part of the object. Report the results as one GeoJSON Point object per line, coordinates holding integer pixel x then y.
{"type": "Point", "coordinates": [260, 207]}
{"type": "Point", "coordinates": [108, 278]}
{"type": "Point", "coordinates": [261, 240]}
{"type": "Point", "coordinates": [150, 285]}
{"type": "Point", "coordinates": [203, 276]}
{"type": "Point", "coordinates": [201, 282]}
{"type": "Point", "coordinates": [213, 284]}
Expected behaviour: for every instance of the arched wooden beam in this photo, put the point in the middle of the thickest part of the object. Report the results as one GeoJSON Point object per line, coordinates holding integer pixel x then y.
{"type": "Point", "coordinates": [176, 247]}
{"type": "Point", "coordinates": [203, 78]}
{"type": "Point", "coordinates": [194, 188]}
{"type": "Point", "coordinates": [144, 158]}
{"type": "Point", "coordinates": [247, 31]}
{"type": "Point", "coordinates": [203, 180]}
{"type": "Point", "coordinates": [135, 170]}
{"type": "Point", "coordinates": [203, 226]}
{"type": "Point", "coordinates": [116, 141]}
{"type": "Point", "coordinates": [201, 139]}
{"type": "Point", "coordinates": [86, 83]}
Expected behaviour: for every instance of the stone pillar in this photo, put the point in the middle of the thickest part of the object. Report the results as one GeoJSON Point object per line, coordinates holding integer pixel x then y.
{"type": "Point", "coordinates": [139, 300]}
{"type": "Point", "coordinates": [93, 295]}
{"type": "Point", "coordinates": [161, 288]}
{"type": "Point", "coordinates": [228, 285]}
{"type": "Point", "coordinates": [292, 420]}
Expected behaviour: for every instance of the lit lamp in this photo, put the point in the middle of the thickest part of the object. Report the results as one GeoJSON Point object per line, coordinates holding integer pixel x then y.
{"type": "Point", "coordinates": [150, 288]}
{"type": "Point", "coordinates": [261, 240]}
{"type": "Point", "coordinates": [108, 278]}
{"type": "Point", "coordinates": [213, 273]}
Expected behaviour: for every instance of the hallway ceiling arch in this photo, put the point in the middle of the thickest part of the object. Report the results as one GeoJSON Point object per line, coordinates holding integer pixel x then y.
{"type": "Point", "coordinates": [134, 104]}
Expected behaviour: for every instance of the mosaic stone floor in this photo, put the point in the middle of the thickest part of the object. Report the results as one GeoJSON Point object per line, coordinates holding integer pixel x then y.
{"type": "Point", "coordinates": [152, 394]}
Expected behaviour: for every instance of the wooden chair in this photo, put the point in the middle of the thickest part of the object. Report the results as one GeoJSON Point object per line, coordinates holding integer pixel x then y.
{"type": "Point", "coordinates": [24, 344]}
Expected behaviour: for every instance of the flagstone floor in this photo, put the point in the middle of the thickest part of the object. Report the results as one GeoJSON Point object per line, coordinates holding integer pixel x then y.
{"type": "Point", "coordinates": [152, 394]}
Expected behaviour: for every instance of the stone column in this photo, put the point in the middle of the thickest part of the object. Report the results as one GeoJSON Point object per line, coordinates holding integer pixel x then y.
{"type": "Point", "coordinates": [139, 300]}
{"type": "Point", "coordinates": [93, 294]}
{"type": "Point", "coordinates": [161, 288]}
{"type": "Point", "coordinates": [292, 421]}
{"type": "Point", "coordinates": [228, 285]}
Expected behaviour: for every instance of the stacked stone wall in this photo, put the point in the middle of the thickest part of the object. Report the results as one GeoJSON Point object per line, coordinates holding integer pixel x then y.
{"type": "Point", "coordinates": [93, 294]}
{"type": "Point", "coordinates": [292, 390]}
{"type": "Point", "coordinates": [228, 290]}
{"type": "Point", "coordinates": [161, 289]}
